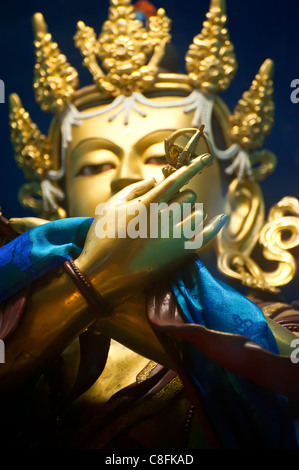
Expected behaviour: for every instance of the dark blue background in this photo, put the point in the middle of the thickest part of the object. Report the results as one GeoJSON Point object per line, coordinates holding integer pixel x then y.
{"type": "Point", "coordinates": [258, 29]}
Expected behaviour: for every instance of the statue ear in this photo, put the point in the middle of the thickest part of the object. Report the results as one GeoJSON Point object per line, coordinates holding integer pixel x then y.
{"type": "Point", "coordinates": [246, 215]}
{"type": "Point", "coordinates": [245, 209]}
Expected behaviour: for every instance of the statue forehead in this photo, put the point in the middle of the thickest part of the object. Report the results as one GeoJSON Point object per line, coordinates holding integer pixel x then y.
{"type": "Point", "coordinates": [141, 130]}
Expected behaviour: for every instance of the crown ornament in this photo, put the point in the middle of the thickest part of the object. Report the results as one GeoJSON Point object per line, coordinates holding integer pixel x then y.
{"type": "Point", "coordinates": [123, 48]}
{"type": "Point", "coordinates": [251, 121]}
{"type": "Point", "coordinates": [32, 148]}
{"type": "Point", "coordinates": [210, 61]}
{"type": "Point", "coordinates": [55, 80]}
{"type": "Point", "coordinates": [253, 117]}
{"type": "Point", "coordinates": [33, 156]}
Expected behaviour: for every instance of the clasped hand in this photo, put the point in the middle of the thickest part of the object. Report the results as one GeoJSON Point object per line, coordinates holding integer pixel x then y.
{"type": "Point", "coordinates": [120, 265]}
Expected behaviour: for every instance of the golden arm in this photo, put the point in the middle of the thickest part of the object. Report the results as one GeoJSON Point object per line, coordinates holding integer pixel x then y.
{"type": "Point", "coordinates": [55, 316]}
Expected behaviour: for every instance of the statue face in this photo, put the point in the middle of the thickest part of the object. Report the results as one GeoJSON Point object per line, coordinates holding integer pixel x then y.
{"type": "Point", "coordinates": [104, 157]}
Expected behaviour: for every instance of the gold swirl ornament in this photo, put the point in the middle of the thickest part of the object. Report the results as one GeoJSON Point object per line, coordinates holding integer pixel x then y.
{"type": "Point", "coordinates": [274, 239]}
{"type": "Point", "coordinates": [279, 235]}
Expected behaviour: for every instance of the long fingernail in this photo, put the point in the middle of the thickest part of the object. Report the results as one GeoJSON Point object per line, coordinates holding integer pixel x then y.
{"type": "Point", "coordinates": [148, 182]}
{"type": "Point", "coordinates": [220, 221]}
{"type": "Point", "coordinates": [215, 225]}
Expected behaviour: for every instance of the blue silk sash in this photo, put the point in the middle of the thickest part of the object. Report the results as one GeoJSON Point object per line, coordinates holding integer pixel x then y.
{"type": "Point", "coordinates": [39, 250]}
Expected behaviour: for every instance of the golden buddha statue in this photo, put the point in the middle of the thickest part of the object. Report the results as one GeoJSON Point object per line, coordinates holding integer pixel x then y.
{"type": "Point", "coordinates": [106, 144]}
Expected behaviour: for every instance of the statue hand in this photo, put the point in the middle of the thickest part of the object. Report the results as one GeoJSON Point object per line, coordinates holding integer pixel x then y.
{"type": "Point", "coordinates": [121, 264]}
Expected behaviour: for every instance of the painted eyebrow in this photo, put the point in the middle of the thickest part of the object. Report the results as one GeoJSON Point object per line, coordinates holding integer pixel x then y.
{"type": "Point", "coordinates": [151, 139]}
{"type": "Point", "coordinates": [99, 143]}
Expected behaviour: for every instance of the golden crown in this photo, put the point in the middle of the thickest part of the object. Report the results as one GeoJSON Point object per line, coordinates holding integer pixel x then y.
{"type": "Point", "coordinates": [130, 54]}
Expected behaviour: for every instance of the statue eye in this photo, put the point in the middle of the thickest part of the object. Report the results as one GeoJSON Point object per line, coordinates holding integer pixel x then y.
{"type": "Point", "coordinates": [161, 160]}
{"type": "Point", "coordinates": [89, 170]}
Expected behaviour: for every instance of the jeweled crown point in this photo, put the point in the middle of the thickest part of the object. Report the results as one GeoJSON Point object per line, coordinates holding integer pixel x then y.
{"type": "Point", "coordinates": [211, 61]}
{"type": "Point", "coordinates": [220, 4]}
{"type": "Point", "coordinates": [14, 100]}
{"type": "Point", "coordinates": [32, 148]}
{"type": "Point", "coordinates": [267, 68]}
{"type": "Point", "coordinates": [38, 24]}
{"type": "Point", "coordinates": [55, 80]}
{"type": "Point", "coordinates": [253, 117]}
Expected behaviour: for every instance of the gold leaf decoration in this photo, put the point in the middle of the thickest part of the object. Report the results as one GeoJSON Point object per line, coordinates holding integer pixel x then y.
{"type": "Point", "coordinates": [253, 117]}
{"type": "Point", "coordinates": [210, 60]}
{"type": "Point", "coordinates": [55, 80]}
{"type": "Point", "coordinates": [32, 148]}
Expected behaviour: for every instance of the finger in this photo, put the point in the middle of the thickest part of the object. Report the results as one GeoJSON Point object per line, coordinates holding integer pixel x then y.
{"type": "Point", "coordinates": [165, 190]}
{"type": "Point", "coordinates": [21, 225]}
{"type": "Point", "coordinates": [192, 230]}
{"type": "Point", "coordinates": [134, 190]}
{"type": "Point", "coordinates": [196, 217]}
{"type": "Point", "coordinates": [177, 207]}
{"type": "Point", "coordinates": [184, 197]}
{"type": "Point", "coordinates": [213, 228]}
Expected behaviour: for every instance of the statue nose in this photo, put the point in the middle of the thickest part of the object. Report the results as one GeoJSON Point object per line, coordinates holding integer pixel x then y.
{"type": "Point", "coordinates": [128, 172]}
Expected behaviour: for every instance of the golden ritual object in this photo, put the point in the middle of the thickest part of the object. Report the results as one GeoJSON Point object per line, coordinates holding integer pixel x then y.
{"type": "Point", "coordinates": [130, 55]}
{"type": "Point", "coordinates": [178, 156]}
